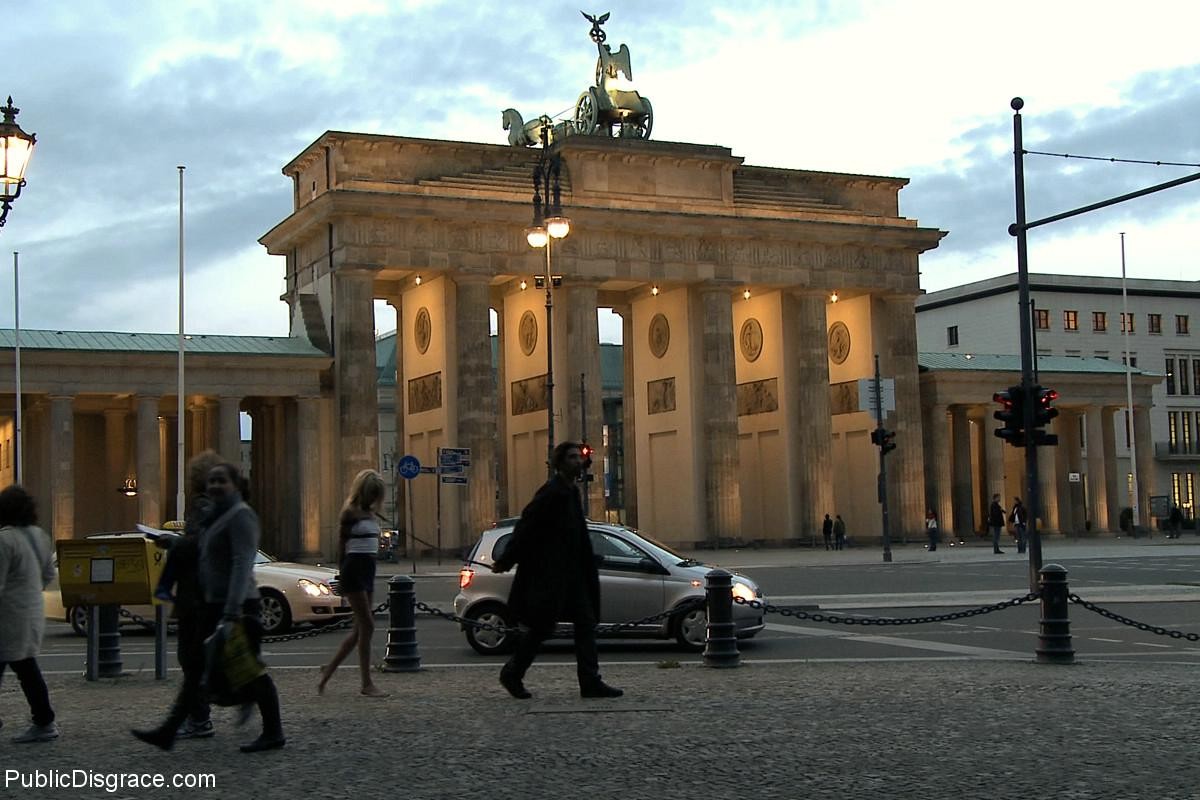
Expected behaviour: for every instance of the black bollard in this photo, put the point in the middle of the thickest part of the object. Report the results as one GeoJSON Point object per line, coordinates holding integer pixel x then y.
{"type": "Point", "coordinates": [721, 649]}
{"type": "Point", "coordinates": [1054, 638]}
{"type": "Point", "coordinates": [402, 655]}
{"type": "Point", "coordinates": [108, 655]}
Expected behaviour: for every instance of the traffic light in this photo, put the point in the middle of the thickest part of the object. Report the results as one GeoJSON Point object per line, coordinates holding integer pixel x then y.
{"type": "Point", "coordinates": [1012, 414]}
{"type": "Point", "coordinates": [586, 451]}
{"type": "Point", "coordinates": [884, 439]}
{"type": "Point", "coordinates": [1043, 412]}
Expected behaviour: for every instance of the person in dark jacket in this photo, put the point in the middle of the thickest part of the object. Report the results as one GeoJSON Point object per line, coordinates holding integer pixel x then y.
{"type": "Point", "coordinates": [557, 579]}
{"type": "Point", "coordinates": [827, 532]}
{"type": "Point", "coordinates": [996, 522]}
{"type": "Point", "coordinates": [1019, 519]}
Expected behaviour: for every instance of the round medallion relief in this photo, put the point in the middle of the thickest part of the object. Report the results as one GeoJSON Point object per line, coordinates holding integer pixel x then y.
{"type": "Point", "coordinates": [422, 330]}
{"type": "Point", "coordinates": [660, 336]}
{"type": "Point", "coordinates": [751, 339]}
{"type": "Point", "coordinates": [839, 342]}
{"type": "Point", "coordinates": [527, 332]}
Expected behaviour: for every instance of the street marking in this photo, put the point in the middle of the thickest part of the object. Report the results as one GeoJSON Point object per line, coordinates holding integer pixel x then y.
{"type": "Point", "coordinates": [1098, 639]}
{"type": "Point", "coordinates": [943, 647]}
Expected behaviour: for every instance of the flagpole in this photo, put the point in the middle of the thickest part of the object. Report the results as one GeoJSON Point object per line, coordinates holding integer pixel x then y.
{"type": "Point", "coordinates": [1128, 323]}
{"type": "Point", "coordinates": [181, 419]}
{"type": "Point", "coordinates": [19, 454]}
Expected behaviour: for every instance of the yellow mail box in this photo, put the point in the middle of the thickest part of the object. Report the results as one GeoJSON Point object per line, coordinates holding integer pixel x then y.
{"type": "Point", "coordinates": [101, 570]}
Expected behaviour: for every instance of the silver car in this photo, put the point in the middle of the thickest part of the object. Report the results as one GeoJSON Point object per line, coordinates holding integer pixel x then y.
{"type": "Point", "coordinates": [639, 578]}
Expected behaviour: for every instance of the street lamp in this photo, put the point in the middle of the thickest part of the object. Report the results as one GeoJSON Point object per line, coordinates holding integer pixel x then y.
{"type": "Point", "coordinates": [546, 227]}
{"type": "Point", "coordinates": [16, 148]}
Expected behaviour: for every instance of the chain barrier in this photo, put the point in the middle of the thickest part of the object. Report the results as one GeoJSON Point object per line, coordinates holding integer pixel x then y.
{"type": "Point", "coordinates": [1141, 626]}
{"type": "Point", "coordinates": [605, 629]}
{"type": "Point", "coordinates": [817, 616]}
{"type": "Point", "coordinates": [340, 625]}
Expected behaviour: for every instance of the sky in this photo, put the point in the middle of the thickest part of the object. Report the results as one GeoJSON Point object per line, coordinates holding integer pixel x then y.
{"type": "Point", "coordinates": [121, 93]}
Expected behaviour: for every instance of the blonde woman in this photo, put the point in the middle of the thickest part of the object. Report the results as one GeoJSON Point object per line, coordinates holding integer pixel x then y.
{"type": "Point", "coordinates": [360, 546]}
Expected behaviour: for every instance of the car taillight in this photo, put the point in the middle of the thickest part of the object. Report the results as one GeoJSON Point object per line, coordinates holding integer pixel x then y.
{"type": "Point", "coordinates": [465, 576]}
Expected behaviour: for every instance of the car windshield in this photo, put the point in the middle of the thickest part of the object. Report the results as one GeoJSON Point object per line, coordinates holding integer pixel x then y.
{"type": "Point", "coordinates": [262, 558]}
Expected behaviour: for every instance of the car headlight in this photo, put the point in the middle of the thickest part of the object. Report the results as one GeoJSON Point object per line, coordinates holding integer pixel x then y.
{"type": "Point", "coordinates": [312, 588]}
{"type": "Point", "coordinates": [742, 591]}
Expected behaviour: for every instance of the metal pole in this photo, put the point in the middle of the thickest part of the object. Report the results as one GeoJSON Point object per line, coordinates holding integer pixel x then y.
{"type": "Point", "coordinates": [883, 501]}
{"type": "Point", "coordinates": [583, 438]}
{"type": "Point", "coordinates": [19, 454]}
{"type": "Point", "coordinates": [549, 361]}
{"type": "Point", "coordinates": [1126, 325]}
{"type": "Point", "coordinates": [1033, 336]}
{"type": "Point", "coordinates": [412, 530]}
{"type": "Point", "coordinates": [438, 477]}
{"type": "Point", "coordinates": [180, 414]}
{"type": "Point", "coordinates": [1031, 466]}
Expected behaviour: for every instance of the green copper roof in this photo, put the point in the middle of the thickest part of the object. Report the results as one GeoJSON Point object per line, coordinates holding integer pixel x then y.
{"type": "Point", "coordinates": [117, 342]}
{"type": "Point", "coordinates": [990, 362]}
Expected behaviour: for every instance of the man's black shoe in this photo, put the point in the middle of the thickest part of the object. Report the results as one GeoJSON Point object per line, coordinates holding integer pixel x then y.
{"type": "Point", "coordinates": [264, 742]}
{"type": "Point", "coordinates": [998, 552]}
{"type": "Point", "coordinates": [514, 685]}
{"type": "Point", "coordinates": [156, 736]}
{"type": "Point", "coordinates": [600, 689]}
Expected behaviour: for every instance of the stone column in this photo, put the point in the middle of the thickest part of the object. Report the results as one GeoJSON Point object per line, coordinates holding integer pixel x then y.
{"type": "Point", "coordinates": [476, 403]}
{"type": "Point", "coordinates": [62, 467]}
{"type": "Point", "coordinates": [229, 429]}
{"type": "Point", "coordinates": [1114, 483]}
{"type": "Point", "coordinates": [355, 380]}
{"type": "Point", "coordinates": [583, 357]}
{"type": "Point", "coordinates": [993, 457]}
{"type": "Point", "coordinates": [1066, 461]}
{"type": "Point", "coordinates": [1145, 461]}
{"type": "Point", "coordinates": [809, 418]}
{"type": "Point", "coordinates": [629, 400]}
{"type": "Point", "coordinates": [166, 468]}
{"type": "Point", "coordinates": [501, 470]}
{"type": "Point", "coordinates": [308, 476]}
{"type": "Point", "coordinates": [400, 446]}
{"type": "Point", "coordinates": [716, 407]}
{"type": "Point", "coordinates": [906, 465]}
{"type": "Point", "coordinates": [938, 475]}
{"type": "Point", "coordinates": [149, 467]}
{"type": "Point", "coordinates": [115, 463]}
{"type": "Point", "coordinates": [1097, 489]}
{"type": "Point", "coordinates": [962, 484]}
{"type": "Point", "coordinates": [1048, 489]}
{"type": "Point", "coordinates": [198, 428]}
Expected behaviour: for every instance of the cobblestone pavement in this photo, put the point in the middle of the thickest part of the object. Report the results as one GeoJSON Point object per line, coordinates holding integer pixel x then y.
{"type": "Point", "coordinates": [846, 730]}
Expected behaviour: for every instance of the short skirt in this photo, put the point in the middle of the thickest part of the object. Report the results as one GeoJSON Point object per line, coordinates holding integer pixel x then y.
{"type": "Point", "coordinates": [357, 574]}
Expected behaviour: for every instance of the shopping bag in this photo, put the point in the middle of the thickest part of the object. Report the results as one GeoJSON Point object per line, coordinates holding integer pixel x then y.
{"type": "Point", "coordinates": [231, 663]}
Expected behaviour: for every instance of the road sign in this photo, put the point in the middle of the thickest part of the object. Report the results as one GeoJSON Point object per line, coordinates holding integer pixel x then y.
{"type": "Point", "coordinates": [866, 394]}
{"type": "Point", "coordinates": [428, 470]}
{"type": "Point", "coordinates": [454, 457]}
{"type": "Point", "coordinates": [1073, 477]}
{"type": "Point", "coordinates": [460, 480]}
{"type": "Point", "coordinates": [409, 467]}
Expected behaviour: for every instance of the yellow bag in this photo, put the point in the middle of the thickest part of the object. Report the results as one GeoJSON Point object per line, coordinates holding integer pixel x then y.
{"type": "Point", "coordinates": [232, 664]}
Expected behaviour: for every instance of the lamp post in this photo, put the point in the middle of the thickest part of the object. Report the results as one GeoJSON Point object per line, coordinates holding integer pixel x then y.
{"type": "Point", "coordinates": [548, 224]}
{"type": "Point", "coordinates": [16, 148]}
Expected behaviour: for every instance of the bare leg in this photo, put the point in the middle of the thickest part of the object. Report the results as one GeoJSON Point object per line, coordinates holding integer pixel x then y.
{"type": "Point", "coordinates": [347, 644]}
{"type": "Point", "coordinates": [364, 627]}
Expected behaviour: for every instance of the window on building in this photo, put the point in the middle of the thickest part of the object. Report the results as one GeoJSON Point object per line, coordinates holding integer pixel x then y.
{"type": "Point", "coordinates": [1072, 353]}
{"type": "Point", "coordinates": [1070, 320]}
{"type": "Point", "coordinates": [1154, 323]}
{"type": "Point", "coordinates": [1102, 354]}
{"type": "Point", "coordinates": [1099, 321]}
{"type": "Point", "coordinates": [1125, 413]}
{"type": "Point", "coordinates": [1196, 374]}
{"type": "Point", "coordinates": [1042, 317]}
{"type": "Point", "coordinates": [1126, 319]}
{"type": "Point", "coordinates": [1132, 361]}
{"type": "Point", "coordinates": [1170, 376]}
{"type": "Point", "coordinates": [1183, 492]}
{"type": "Point", "coordinates": [1177, 488]}
{"type": "Point", "coordinates": [1173, 432]}
{"type": "Point", "coordinates": [952, 336]}
{"type": "Point", "coordinates": [1181, 324]}
{"type": "Point", "coordinates": [1185, 432]}
{"type": "Point", "coordinates": [1183, 377]}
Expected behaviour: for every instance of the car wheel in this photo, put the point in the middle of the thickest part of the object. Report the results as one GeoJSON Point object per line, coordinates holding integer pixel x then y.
{"type": "Point", "coordinates": [691, 631]}
{"type": "Point", "coordinates": [77, 616]}
{"type": "Point", "coordinates": [487, 642]}
{"type": "Point", "coordinates": [274, 614]}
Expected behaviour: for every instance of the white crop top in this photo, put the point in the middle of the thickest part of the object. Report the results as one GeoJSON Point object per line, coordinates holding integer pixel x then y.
{"type": "Point", "coordinates": [364, 538]}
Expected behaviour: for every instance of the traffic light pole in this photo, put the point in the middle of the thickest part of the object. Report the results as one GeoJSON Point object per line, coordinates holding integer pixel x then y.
{"type": "Point", "coordinates": [883, 500]}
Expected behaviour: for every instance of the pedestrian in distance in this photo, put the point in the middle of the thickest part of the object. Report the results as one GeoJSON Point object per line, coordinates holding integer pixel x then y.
{"type": "Point", "coordinates": [839, 533]}
{"type": "Point", "coordinates": [1174, 523]}
{"type": "Point", "coordinates": [26, 568]}
{"type": "Point", "coordinates": [931, 528]}
{"type": "Point", "coordinates": [557, 577]}
{"type": "Point", "coordinates": [1019, 519]}
{"type": "Point", "coordinates": [996, 522]}
{"type": "Point", "coordinates": [359, 535]}
{"type": "Point", "coordinates": [827, 532]}
{"type": "Point", "coordinates": [227, 549]}
{"type": "Point", "coordinates": [181, 574]}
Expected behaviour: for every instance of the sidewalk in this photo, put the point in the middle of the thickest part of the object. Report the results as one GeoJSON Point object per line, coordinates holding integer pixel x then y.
{"type": "Point", "coordinates": [934, 729]}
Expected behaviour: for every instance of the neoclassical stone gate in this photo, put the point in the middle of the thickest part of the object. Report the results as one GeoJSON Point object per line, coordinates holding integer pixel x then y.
{"type": "Point", "coordinates": [738, 362]}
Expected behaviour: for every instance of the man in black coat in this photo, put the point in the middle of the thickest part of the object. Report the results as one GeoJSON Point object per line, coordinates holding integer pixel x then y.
{"type": "Point", "coordinates": [556, 580]}
{"type": "Point", "coordinates": [996, 522]}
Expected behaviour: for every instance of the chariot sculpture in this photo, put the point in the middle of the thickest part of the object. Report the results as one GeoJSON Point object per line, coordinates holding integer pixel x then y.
{"type": "Point", "coordinates": [612, 107]}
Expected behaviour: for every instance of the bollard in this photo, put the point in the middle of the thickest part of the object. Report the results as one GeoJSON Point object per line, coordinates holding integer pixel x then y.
{"type": "Point", "coordinates": [1054, 638]}
{"type": "Point", "coordinates": [721, 649]}
{"type": "Point", "coordinates": [402, 655]}
{"type": "Point", "coordinates": [108, 655]}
